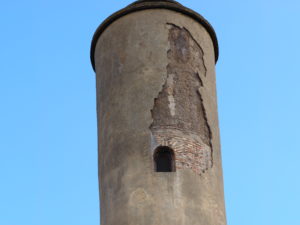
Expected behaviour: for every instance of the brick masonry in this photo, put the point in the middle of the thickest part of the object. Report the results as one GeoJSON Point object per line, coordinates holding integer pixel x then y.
{"type": "Point", "coordinates": [190, 152]}
{"type": "Point", "coordinates": [179, 117]}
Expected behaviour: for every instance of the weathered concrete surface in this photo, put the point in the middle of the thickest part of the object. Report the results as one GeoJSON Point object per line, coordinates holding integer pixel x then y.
{"type": "Point", "coordinates": [156, 86]}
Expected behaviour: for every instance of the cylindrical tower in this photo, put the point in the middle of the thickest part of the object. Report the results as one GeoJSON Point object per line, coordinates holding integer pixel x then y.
{"type": "Point", "coordinates": [158, 134]}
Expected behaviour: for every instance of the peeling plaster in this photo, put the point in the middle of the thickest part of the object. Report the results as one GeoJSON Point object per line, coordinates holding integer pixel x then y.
{"type": "Point", "coordinates": [170, 90]}
{"type": "Point", "coordinates": [179, 115]}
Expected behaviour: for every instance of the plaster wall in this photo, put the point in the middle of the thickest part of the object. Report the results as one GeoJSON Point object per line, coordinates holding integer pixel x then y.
{"type": "Point", "coordinates": [136, 59]}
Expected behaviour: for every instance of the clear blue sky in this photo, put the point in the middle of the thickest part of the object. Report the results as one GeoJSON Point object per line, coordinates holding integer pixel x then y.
{"type": "Point", "coordinates": [48, 145]}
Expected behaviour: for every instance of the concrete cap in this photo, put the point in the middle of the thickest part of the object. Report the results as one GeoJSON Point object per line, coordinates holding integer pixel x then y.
{"type": "Point", "coordinates": [154, 4]}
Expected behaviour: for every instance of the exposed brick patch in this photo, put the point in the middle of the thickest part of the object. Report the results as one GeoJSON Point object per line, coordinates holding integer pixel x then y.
{"type": "Point", "coordinates": [190, 151]}
{"type": "Point", "coordinates": [179, 116]}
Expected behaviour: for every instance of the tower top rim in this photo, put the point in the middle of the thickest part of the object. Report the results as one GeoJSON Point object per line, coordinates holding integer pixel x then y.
{"type": "Point", "coordinates": [154, 4]}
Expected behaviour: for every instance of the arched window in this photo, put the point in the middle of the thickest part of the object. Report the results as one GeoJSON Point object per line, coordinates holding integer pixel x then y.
{"type": "Point", "coordinates": [164, 159]}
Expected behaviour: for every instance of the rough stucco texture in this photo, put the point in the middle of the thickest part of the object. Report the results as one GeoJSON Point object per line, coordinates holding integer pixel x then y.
{"type": "Point", "coordinates": [155, 76]}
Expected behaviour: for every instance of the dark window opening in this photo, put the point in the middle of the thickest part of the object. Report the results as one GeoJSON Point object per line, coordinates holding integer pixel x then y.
{"type": "Point", "coordinates": [164, 159]}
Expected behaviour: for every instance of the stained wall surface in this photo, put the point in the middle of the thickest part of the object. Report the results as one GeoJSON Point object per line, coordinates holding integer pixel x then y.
{"type": "Point", "coordinates": [155, 72]}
